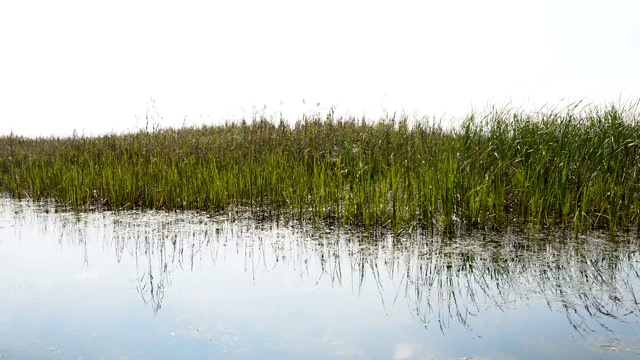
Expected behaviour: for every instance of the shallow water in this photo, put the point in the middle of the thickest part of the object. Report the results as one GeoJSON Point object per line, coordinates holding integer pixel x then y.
{"type": "Point", "coordinates": [155, 285]}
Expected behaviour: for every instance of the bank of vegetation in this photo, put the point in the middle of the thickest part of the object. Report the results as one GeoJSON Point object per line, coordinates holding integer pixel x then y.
{"type": "Point", "coordinates": [576, 169]}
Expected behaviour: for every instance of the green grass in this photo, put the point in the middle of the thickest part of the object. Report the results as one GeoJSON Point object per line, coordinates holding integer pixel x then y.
{"type": "Point", "coordinates": [573, 169]}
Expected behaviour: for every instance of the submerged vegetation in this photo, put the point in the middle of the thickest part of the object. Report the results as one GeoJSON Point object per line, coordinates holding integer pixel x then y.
{"type": "Point", "coordinates": [574, 169]}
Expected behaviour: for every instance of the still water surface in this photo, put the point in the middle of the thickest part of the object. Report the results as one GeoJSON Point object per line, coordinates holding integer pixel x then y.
{"type": "Point", "coordinates": [151, 285]}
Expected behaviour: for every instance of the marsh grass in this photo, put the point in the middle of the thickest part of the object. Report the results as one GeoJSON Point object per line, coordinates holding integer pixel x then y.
{"type": "Point", "coordinates": [576, 169]}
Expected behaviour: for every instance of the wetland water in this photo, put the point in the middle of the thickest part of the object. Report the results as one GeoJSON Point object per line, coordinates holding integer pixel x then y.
{"type": "Point", "coordinates": [151, 285]}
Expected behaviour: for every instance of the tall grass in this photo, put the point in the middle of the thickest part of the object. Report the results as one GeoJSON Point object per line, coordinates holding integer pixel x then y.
{"type": "Point", "coordinates": [574, 169]}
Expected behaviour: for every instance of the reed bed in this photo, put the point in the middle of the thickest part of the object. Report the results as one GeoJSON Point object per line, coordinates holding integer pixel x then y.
{"type": "Point", "coordinates": [576, 169]}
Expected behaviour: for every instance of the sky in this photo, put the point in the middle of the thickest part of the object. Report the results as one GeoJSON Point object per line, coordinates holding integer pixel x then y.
{"type": "Point", "coordinates": [101, 67]}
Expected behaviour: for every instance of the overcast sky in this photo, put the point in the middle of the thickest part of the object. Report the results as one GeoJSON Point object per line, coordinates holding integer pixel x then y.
{"type": "Point", "coordinates": [94, 66]}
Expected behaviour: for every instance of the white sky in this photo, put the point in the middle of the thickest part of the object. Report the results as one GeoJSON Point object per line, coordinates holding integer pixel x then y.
{"type": "Point", "coordinates": [93, 66]}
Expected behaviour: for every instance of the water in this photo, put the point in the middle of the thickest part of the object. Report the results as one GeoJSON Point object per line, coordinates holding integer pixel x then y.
{"type": "Point", "coordinates": [149, 285]}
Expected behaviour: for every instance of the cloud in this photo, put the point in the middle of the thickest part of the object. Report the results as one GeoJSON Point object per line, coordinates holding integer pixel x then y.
{"type": "Point", "coordinates": [403, 351]}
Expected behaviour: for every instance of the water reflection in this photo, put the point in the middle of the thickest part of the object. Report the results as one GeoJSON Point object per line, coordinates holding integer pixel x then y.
{"type": "Point", "coordinates": [446, 285]}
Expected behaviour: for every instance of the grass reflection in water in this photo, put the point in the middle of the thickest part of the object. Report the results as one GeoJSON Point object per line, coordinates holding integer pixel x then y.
{"type": "Point", "coordinates": [592, 280]}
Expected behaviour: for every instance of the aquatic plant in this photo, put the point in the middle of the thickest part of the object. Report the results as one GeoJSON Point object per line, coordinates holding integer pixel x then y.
{"type": "Point", "coordinates": [576, 169]}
